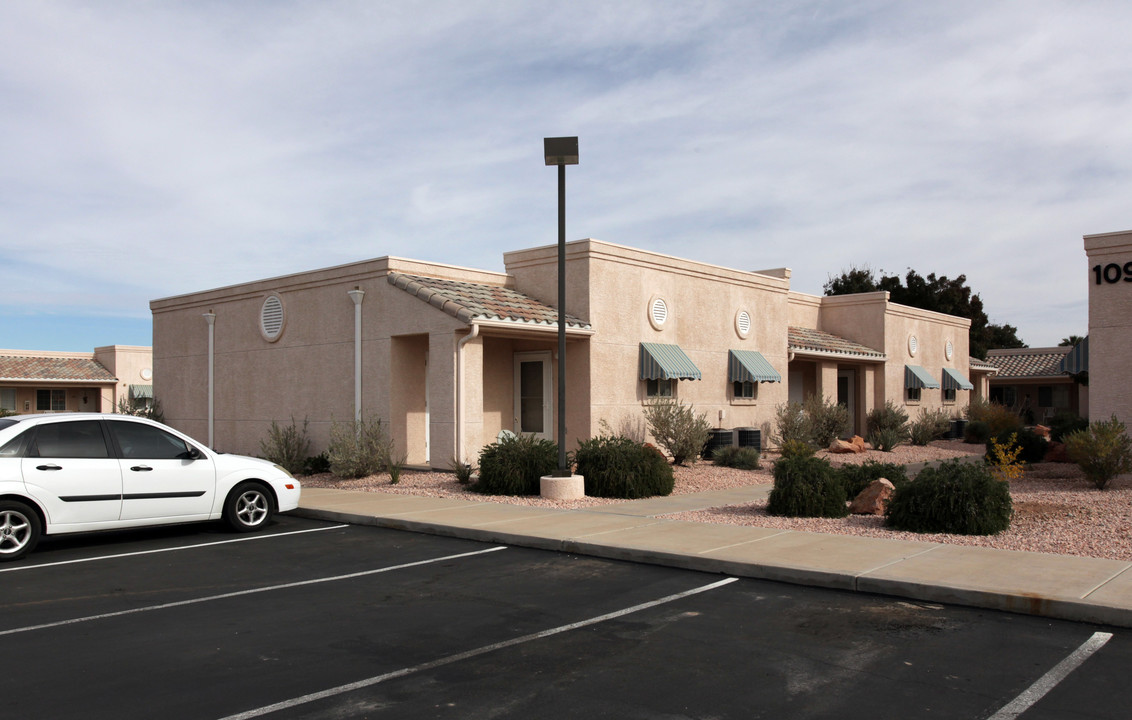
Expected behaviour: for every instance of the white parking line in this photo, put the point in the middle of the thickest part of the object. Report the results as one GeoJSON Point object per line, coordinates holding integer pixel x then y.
{"type": "Point", "coordinates": [1050, 680]}
{"type": "Point", "coordinates": [164, 550]}
{"type": "Point", "coordinates": [241, 593]}
{"type": "Point", "coordinates": [350, 687]}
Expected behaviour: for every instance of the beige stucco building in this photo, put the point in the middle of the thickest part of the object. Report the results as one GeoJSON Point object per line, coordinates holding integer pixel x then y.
{"type": "Point", "coordinates": [1110, 325]}
{"type": "Point", "coordinates": [43, 381]}
{"type": "Point", "coordinates": [448, 356]}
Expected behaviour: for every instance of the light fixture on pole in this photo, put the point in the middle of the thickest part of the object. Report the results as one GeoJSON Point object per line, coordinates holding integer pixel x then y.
{"type": "Point", "coordinates": [561, 151]}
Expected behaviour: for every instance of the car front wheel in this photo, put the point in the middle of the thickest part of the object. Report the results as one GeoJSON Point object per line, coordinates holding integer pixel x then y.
{"type": "Point", "coordinates": [249, 507]}
{"type": "Point", "coordinates": [19, 530]}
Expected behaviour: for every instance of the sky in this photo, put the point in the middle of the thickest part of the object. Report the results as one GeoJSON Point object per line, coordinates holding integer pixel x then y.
{"type": "Point", "coordinates": [151, 149]}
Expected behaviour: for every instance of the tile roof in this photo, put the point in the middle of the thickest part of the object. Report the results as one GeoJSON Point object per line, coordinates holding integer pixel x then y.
{"type": "Point", "coordinates": [817, 341]}
{"type": "Point", "coordinates": [1028, 362]}
{"type": "Point", "coordinates": [15, 367]}
{"type": "Point", "coordinates": [978, 365]}
{"type": "Point", "coordinates": [473, 301]}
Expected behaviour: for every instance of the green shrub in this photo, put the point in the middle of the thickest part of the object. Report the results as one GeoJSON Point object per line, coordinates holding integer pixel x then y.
{"type": "Point", "coordinates": [677, 429]}
{"type": "Point", "coordinates": [999, 419]}
{"type": "Point", "coordinates": [827, 420]}
{"type": "Point", "coordinates": [806, 487]}
{"type": "Point", "coordinates": [856, 478]}
{"type": "Point", "coordinates": [931, 425]}
{"type": "Point", "coordinates": [1033, 445]}
{"type": "Point", "coordinates": [138, 407]}
{"type": "Point", "coordinates": [742, 458]}
{"type": "Point", "coordinates": [316, 464]}
{"type": "Point", "coordinates": [619, 467]}
{"type": "Point", "coordinates": [976, 432]}
{"type": "Point", "coordinates": [287, 446]}
{"type": "Point", "coordinates": [358, 448]}
{"type": "Point", "coordinates": [791, 424]}
{"type": "Point", "coordinates": [1103, 451]}
{"type": "Point", "coordinates": [796, 448]}
{"type": "Point", "coordinates": [1065, 422]}
{"type": "Point", "coordinates": [514, 465]}
{"type": "Point", "coordinates": [955, 497]}
{"type": "Point", "coordinates": [888, 438]}
{"type": "Point", "coordinates": [464, 471]}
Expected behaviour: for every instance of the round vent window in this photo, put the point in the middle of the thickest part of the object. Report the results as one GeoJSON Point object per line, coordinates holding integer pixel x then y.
{"type": "Point", "coordinates": [271, 318]}
{"type": "Point", "coordinates": [743, 323]}
{"type": "Point", "coordinates": [146, 374]}
{"type": "Point", "coordinates": [913, 345]}
{"type": "Point", "coordinates": [949, 350]}
{"type": "Point", "coordinates": [658, 312]}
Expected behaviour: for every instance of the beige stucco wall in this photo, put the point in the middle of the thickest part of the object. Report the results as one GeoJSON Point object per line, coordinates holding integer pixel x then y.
{"type": "Point", "coordinates": [1110, 323]}
{"type": "Point", "coordinates": [131, 364]}
{"type": "Point", "coordinates": [703, 301]}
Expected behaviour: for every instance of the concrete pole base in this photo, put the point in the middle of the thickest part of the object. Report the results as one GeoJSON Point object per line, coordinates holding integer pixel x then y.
{"type": "Point", "coordinates": [572, 487]}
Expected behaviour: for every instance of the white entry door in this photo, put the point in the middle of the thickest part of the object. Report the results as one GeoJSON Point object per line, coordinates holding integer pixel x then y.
{"type": "Point", "coordinates": [534, 409]}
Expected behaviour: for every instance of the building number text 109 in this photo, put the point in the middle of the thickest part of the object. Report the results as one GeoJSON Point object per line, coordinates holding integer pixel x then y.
{"type": "Point", "coordinates": [1113, 273]}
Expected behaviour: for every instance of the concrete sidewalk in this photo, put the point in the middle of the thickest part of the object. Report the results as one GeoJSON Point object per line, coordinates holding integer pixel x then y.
{"type": "Point", "coordinates": [1057, 586]}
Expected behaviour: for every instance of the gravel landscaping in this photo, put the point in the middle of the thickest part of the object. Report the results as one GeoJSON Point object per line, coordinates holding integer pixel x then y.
{"type": "Point", "coordinates": [1055, 509]}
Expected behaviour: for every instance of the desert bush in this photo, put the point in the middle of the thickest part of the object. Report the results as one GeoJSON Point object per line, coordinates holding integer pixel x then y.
{"type": "Point", "coordinates": [826, 420]}
{"type": "Point", "coordinates": [806, 487]}
{"type": "Point", "coordinates": [514, 465]}
{"type": "Point", "coordinates": [287, 446]}
{"type": "Point", "coordinates": [888, 438]}
{"type": "Point", "coordinates": [316, 464]}
{"type": "Point", "coordinates": [628, 426]}
{"type": "Point", "coordinates": [1102, 451]}
{"type": "Point", "coordinates": [138, 408]}
{"type": "Point", "coordinates": [742, 458]}
{"type": "Point", "coordinates": [1003, 458]}
{"type": "Point", "coordinates": [1032, 445]}
{"type": "Point", "coordinates": [621, 467]}
{"type": "Point", "coordinates": [955, 497]}
{"type": "Point", "coordinates": [791, 424]}
{"type": "Point", "coordinates": [1065, 422]}
{"type": "Point", "coordinates": [358, 448]}
{"type": "Point", "coordinates": [999, 419]}
{"type": "Point", "coordinates": [677, 429]}
{"type": "Point", "coordinates": [931, 425]}
{"type": "Point", "coordinates": [796, 448]}
{"type": "Point", "coordinates": [464, 471]}
{"type": "Point", "coordinates": [976, 432]}
{"type": "Point", "coordinates": [856, 478]}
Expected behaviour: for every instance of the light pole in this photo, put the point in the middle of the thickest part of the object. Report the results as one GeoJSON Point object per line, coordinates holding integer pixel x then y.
{"type": "Point", "coordinates": [561, 151]}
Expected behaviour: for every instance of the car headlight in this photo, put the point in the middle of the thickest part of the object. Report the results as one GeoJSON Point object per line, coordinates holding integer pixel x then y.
{"type": "Point", "coordinates": [283, 470]}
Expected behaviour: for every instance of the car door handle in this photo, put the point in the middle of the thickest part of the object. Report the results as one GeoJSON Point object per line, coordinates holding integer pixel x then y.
{"type": "Point", "coordinates": [141, 468]}
{"type": "Point", "coordinates": [52, 466]}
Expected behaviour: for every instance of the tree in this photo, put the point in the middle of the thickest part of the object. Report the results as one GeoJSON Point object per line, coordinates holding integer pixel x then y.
{"type": "Point", "coordinates": [939, 294]}
{"type": "Point", "coordinates": [1071, 341]}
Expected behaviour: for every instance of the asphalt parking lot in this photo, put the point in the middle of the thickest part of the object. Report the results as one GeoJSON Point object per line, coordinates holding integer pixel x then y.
{"type": "Point", "coordinates": [317, 620]}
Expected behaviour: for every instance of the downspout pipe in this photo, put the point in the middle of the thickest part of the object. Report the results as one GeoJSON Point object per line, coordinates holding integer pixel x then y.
{"type": "Point", "coordinates": [210, 318]}
{"type": "Point", "coordinates": [460, 391]}
{"type": "Point", "coordinates": [357, 294]}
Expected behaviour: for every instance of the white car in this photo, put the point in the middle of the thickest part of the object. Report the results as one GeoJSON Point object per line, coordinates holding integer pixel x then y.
{"type": "Point", "coordinates": [77, 472]}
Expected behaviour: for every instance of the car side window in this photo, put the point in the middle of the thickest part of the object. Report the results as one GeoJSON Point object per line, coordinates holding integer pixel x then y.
{"type": "Point", "coordinates": [145, 442]}
{"type": "Point", "coordinates": [80, 439]}
{"type": "Point", "coordinates": [15, 446]}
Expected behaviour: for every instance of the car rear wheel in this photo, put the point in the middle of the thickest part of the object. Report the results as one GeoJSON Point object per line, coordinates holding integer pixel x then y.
{"type": "Point", "coordinates": [19, 530]}
{"type": "Point", "coordinates": [249, 507]}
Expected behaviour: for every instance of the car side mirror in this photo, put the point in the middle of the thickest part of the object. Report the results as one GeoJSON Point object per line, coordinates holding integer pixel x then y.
{"type": "Point", "coordinates": [194, 453]}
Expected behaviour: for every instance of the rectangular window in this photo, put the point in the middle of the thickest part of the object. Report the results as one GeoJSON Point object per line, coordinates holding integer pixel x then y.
{"type": "Point", "coordinates": [1045, 396]}
{"type": "Point", "coordinates": [744, 390]}
{"type": "Point", "coordinates": [660, 388]}
{"type": "Point", "coordinates": [51, 400]}
{"type": "Point", "coordinates": [949, 395]}
{"type": "Point", "coordinates": [912, 395]}
{"type": "Point", "coordinates": [8, 399]}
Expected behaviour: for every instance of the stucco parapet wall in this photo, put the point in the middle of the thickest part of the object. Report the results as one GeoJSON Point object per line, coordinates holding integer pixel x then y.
{"type": "Point", "coordinates": [600, 250]}
{"type": "Point", "coordinates": [1107, 241]}
{"type": "Point", "coordinates": [879, 298]}
{"type": "Point", "coordinates": [336, 275]}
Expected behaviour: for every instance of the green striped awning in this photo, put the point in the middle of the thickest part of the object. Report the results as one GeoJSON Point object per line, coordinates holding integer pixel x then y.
{"type": "Point", "coordinates": [750, 366]}
{"type": "Point", "coordinates": [141, 391]}
{"type": "Point", "coordinates": [954, 380]}
{"type": "Point", "coordinates": [666, 362]}
{"type": "Point", "coordinates": [1077, 359]}
{"type": "Point", "coordinates": [917, 377]}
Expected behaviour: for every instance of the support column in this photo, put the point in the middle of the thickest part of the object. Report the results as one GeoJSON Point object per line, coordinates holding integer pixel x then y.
{"type": "Point", "coordinates": [357, 294]}
{"type": "Point", "coordinates": [210, 318]}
